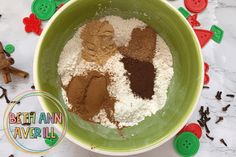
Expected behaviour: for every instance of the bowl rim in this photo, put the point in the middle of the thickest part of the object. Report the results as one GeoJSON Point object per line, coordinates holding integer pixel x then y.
{"type": "Point", "coordinates": [142, 149]}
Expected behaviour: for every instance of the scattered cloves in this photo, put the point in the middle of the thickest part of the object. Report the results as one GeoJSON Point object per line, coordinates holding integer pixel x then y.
{"type": "Point", "coordinates": [211, 138]}
{"type": "Point", "coordinates": [207, 129]}
{"type": "Point", "coordinates": [206, 87]}
{"type": "Point", "coordinates": [223, 141]}
{"type": "Point", "coordinates": [220, 119]}
{"type": "Point", "coordinates": [225, 108]}
{"type": "Point", "coordinates": [32, 87]}
{"type": "Point", "coordinates": [4, 94]}
{"type": "Point", "coordinates": [218, 95]}
{"type": "Point", "coordinates": [230, 95]}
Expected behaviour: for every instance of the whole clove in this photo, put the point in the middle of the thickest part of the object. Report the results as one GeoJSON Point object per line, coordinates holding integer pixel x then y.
{"type": "Point", "coordinates": [207, 111]}
{"type": "Point", "coordinates": [4, 94]}
{"type": "Point", "coordinates": [15, 102]}
{"type": "Point", "coordinates": [230, 95]}
{"type": "Point", "coordinates": [218, 95]}
{"type": "Point", "coordinates": [225, 108]}
{"type": "Point", "coordinates": [211, 138]}
{"type": "Point", "coordinates": [219, 120]}
{"type": "Point", "coordinates": [207, 129]}
{"type": "Point", "coordinates": [11, 155]}
{"type": "Point", "coordinates": [204, 118]}
{"type": "Point", "coordinates": [223, 141]}
{"type": "Point", "coordinates": [200, 123]}
{"type": "Point", "coordinates": [201, 110]}
{"type": "Point", "coordinates": [32, 87]}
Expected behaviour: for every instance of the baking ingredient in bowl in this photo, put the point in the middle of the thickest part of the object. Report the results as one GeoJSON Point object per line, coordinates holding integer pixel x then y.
{"type": "Point", "coordinates": [88, 94]}
{"type": "Point", "coordinates": [129, 108]}
{"type": "Point", "coordinates": [141, 46]}
{"type": "Point", "coordinates": [141, 75]}
{"type": "Point", "coordinates": [123, 28]}
{"type": "Point", "coordinates": [98, 44]}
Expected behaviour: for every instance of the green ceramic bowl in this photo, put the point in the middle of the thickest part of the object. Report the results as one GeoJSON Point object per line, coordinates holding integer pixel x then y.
{"type": "Point", "coordinates": [184, 89]}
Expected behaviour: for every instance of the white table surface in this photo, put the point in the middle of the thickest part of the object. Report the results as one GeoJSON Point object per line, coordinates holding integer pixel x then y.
{"type": "Point", "coordinates": [221, 57]}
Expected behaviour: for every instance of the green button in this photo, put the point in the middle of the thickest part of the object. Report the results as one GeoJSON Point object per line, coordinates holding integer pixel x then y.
{"type": "Point", "coordinates": [59, 2]}
{"type": "Point", "coordinates": [186, 144]}
{"type": "Point", "coordinates": [51, 141]}
{"type": "Point", "coordinates": [43, 9]}
{"type": "Point", "coordinates": [184, 12]}
{"type": "Point", "coordinates": [9, 48]}
{"type": "Point", "coordinates": [218, 33]}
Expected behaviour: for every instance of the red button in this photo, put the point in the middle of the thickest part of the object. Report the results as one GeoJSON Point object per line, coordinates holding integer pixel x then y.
{"type": "Point", "coordinates": [32, 24]}
{"type": "Point", "coordinates": [206, 67]}
{"type": "Point", "coordinates": [193, 128]}
{"type": "Point", "coordinates": [193, 20]}
{"type": "Point", "coordinates": [196, 6]}
{"type": "Point", "coordinates": [206, 79]}
{"type": "Point", "coordinates": [203, 36]}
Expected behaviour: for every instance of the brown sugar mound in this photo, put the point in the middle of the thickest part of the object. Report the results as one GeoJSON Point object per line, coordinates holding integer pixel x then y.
{"type": "Point", "coordinates": [98, 44]}
{"type": "Point", "coordinates": [141, 46]}
{"type": "Point", "coordinates": [141, 75]}
{"type": "Point", "coordinates": [88, 95]}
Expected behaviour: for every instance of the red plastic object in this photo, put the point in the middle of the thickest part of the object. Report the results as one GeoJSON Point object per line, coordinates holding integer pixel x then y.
{"type": "Point", "coordinates": [32, 24]}
{"type": "Point", "coordinates": [203, 36]}
{"type": "Point", "coordinates": [193, 128]}
{"type": "Point", "coordinates": [192, 19]}
{"type": "Point", "coordinates": [182, 130]}
{"type": "Point", "coordinates": [196, 6]}
{"type": "Point", "coordinates": [206, 79]}
{"type": "Point", "coordinates": [206, 67]}
{"type": "Point", "coordinates": [59, 6]}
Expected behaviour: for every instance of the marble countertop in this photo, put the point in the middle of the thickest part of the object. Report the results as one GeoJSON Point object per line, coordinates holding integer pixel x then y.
{"type": "Point", "coordinates": [221, 58]}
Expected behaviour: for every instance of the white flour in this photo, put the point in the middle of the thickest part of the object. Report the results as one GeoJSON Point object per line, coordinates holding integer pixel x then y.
{"type": "Point", "coordinates": [123, 28]}
{"type": "Point", "coordinates": [129, 109]}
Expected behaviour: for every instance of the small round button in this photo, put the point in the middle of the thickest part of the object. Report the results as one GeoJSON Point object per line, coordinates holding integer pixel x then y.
{"type": "Point", "coordinates": [43, 9]}
{"type": "Point", "coordinates": [59, 2]}
{"type": "Point", "coordinates": [196, 6]}
{"type": "Point", "coordinates": [51, 141]}
{"type": "Point", "coordinates": [195, 129]}
{"type": "Point", "coordinates": [9, 48]}
{"type": "Point", "coordinates": [186, 144]}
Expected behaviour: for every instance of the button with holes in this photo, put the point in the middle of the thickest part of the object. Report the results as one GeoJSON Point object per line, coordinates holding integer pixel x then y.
{"type": "Point", "coordinates": [9, 48]}
{"type": "Point", "coordinates": [52, 140]}
{"type": "Point", "coordinates": [203, 36]}
{"type": "Point", "coordinates": [186, 144]}
{"type": "Point", "coordinates": [196, 6]}
{"type": "Point", "coordinates": [43, 9]}
{"type": "Point", "coordinates": [218, 33]}
{"type": "Point", "coordinates": [193, 128]}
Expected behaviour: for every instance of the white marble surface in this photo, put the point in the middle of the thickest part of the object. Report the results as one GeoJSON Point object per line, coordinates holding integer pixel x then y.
{"type": "Point", "coordinates": [221, 58]}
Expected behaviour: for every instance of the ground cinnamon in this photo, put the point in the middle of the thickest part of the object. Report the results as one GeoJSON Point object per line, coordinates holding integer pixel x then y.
{"type": "Point", "coordinates": [88, 95]}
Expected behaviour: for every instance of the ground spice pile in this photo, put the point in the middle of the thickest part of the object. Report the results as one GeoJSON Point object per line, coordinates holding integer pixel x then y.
{"type": "Point", "coordinates": [141, 76]}
{"type": "Point", "coordinates": [141, 46]}
{"type": "Point", "coordinates": [98, 42]}
{"type": "Point", "coordinates": [88, 95]}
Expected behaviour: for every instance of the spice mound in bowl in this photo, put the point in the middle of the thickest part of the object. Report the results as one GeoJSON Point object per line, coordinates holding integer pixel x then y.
{"type": "Point", "coordinates": [115, 72]}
